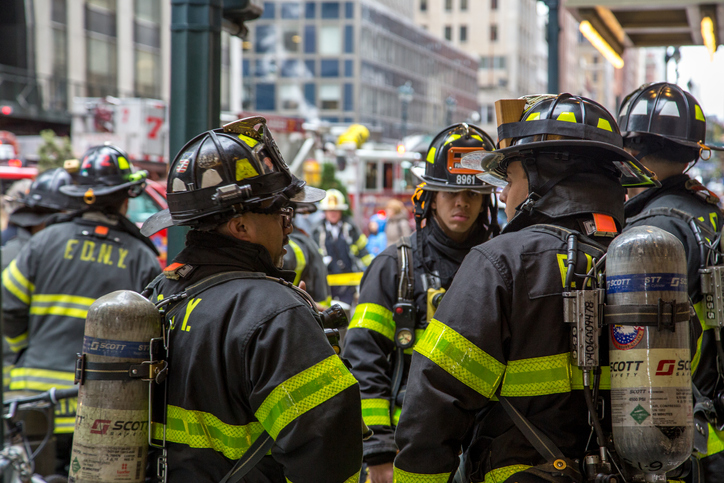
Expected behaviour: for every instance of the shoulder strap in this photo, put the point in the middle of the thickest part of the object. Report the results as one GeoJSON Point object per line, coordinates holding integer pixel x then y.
{"type": "Point", "coordinates": [406, 287]}
{"type": "Point", "coordinates": [673, 213]}
{"type": "Point", "coordinates": [585, 243]}
{"type": "Point", "coordinates": [260, 447]}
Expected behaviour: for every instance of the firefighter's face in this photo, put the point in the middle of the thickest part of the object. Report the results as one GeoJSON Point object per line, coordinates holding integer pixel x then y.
{"type": "Point", "coordinates": [456, 212]}
{"type": "Point", "coordinates": [271, 231]}
{"type": "Point", "coordinates": [333, 216]}
{"type": "Point", "coordinates": [516, 191]}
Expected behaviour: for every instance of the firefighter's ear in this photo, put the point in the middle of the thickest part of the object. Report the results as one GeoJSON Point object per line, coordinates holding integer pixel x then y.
{"type": "Point", "coordinates": [235, 228]}
{"type": "Point", "coordinates": [433, 204]}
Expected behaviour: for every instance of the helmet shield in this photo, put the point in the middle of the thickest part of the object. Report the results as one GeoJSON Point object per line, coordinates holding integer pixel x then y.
{"type": "Point", "coordinates": [443, 169]}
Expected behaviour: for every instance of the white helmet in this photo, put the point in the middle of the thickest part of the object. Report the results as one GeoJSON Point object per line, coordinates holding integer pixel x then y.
{"type": "Point", "coordinates": [334, 201]}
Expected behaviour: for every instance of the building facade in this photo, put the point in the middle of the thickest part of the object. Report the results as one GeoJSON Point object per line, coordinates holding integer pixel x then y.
{"type": "Point", "coordinates": [507, 39]}
{"type": "Point", "coordinates": [345, 62]}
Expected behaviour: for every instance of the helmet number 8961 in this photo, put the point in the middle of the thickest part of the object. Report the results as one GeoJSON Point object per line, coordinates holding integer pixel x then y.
{"type": "Point", "coordinates": [465, 179]}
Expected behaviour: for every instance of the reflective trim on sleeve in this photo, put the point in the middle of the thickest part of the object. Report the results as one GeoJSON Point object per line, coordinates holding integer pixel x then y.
{"type": "Point", "coordinates": [373, 317]}
{"type": "Point", "coordinates": [198, 429]}
{"type": "Point", "coordinates": [461, 358]}
{"type": "Point", "coordinates": [17, 284]}
{"type": "Point", "coordinates": [401, 476]}
{"type": "Point", "coordinates": [60, 304]}
{"type": "Point", "coordinates": [396, 416]}
{"type": "Point", "coordinates": [418, 335]}
{"type": "Point", "coordinates": [354, 478]}
{"type": "Point", "coordinates": [301, 260]}
{"type": "Point", "coordinates": [376, 412]}
{"type": "Point", "coordinates": [577, 378]}
{"type": "Point", "coordinates": [367, 259]}
{"type": "Point", "coordinates": [715, 443]}
{"type": "Point", "coordinates": [303, 392]}
{"type": "Point", "coordinates": [699, 308]}
{"type": "Point", "coordinates": [537, 376]}
{"type": "Point", "coordinates": [39, 379]}
{"type": "Point", "coordinates": [18, 343]}
{"type": "Point", "coordinates": [499, 475]}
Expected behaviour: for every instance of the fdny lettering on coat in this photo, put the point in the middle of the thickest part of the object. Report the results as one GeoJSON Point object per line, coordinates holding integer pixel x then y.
{"type": "Point", "coordinates": [95, 252]}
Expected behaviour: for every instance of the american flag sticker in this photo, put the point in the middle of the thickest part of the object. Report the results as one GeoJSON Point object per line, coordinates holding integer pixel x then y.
{"type": "Point", "coordinates": [183, 166]}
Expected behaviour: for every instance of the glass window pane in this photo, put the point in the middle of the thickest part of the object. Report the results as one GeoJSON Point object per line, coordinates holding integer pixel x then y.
{"type": "Point", "coordinates": [348, 39]}
{"type": "Point", "coordinates": [349, 10]}
{"type": "Point", "coordinates": [268, 10]}
{"type": "Point", "coordinates": [291, 40]}
{"type": "Point", "coordinates": [148, 10]}
{"type": "Point", "coordinates": [330, 96]}
{"type": "Point", "coordinates": [330, 9]}
{"type": "Point", "coordinates": [310, 68]}
{"type": "Point", "coordinates": [291, 68]}
{"type": "Point", "coordinates": [310, 39]}
{"type": "Point", "coordinates": [291, 10]}
{"type": "Point", "coordinates": [265, 38]}
{"type": "Point", "coordinates": [147, 79]}
{"type": "Point", "coordinates": [330, 68]}
{"type": "Point", "coordinates": [348, 97]}
{"type": "Point", "coordinates": [290, 96]}
{"type": "Point", "coordinates": [371, 176]}
{"type": "Point", "coordinates": [107, 4]}
{"type": "Point", "coordinates": [59, 11]}
{"type": "Point", "coordinates": [100, 22]}
{"type": "Point", "coordinates": [265, 97]}
{"type": "Point", "coordinates": [60, 58]}
{"type": "Point", "coordinates": [310, 94]}
{"type": "Point", "coordinates": [147, 35]}
{"type": "Point", "coordinates": [348, 68]}
{"type": "Point", "coordinates": [310, 10]}
{"type": "Point", "coordinates": [330, 40]}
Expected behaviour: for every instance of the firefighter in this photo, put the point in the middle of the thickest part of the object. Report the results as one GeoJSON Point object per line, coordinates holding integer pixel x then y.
{"type": "Point", "coordinates": [664, 128]}
{"type": "Point", "coordinates": [247, 357]}
{"type": "Point", "coordinates": [58, 274]}
{"type": "Point", "coordinates": [37, 207]}
{"type": "Point", "coordinates": [458, 214]}
{"type": "Point", "coordinates": [305, 258]}
{"type": "Point", "coordinates": [499, 330]}
{"type": "Point", "coordinates": [343, 244]}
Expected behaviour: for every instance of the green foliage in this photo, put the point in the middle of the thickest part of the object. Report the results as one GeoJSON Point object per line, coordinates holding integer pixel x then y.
{"type": "Point", "coordinates": [54, 150]}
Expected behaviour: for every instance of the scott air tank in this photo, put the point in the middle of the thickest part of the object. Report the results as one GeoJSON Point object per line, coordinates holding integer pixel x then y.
{"type": "Point", "coordinates": [111, 427]}
{"type": "Point", "coordinates": [651, 401]}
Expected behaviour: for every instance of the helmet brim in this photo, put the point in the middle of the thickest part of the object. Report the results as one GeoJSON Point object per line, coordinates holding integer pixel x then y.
{"type": "Point", "coordinates": [435, 185]}
{"type": "Point", "coordinates": [309, 194]}
{"type": "Point", "coordinates": [633, 173]}
{"type": "Point", "coordinates": [157, 222]}
{"type": "Point", "coordinates": [79, 190]}
{"type": "Point", "coordinates": [27, 217]}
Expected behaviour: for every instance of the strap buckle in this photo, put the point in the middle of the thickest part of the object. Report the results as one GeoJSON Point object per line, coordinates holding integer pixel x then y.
{"type": "Point", "coordinates": [79, 369]}
{"type": "Point", "coordinates": [149, 371]}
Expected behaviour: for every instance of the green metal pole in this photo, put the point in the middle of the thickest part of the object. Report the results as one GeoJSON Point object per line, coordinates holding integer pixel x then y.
{"type": "Point", "coordinates": [195, 80]}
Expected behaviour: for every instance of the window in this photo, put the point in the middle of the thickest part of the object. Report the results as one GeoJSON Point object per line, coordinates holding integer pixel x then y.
{"type": "Point", "coordinates": [387, 176]}
{"type": "Point", "coordinates": [289, 96]}
{"type": "Point", "coordinates": [463, 5]}
{"type": "Point", "coordinates": [348, 68]}
{"type": "Point", "coordinates": [101, 66]}
{"type": "Point", "coordinates": [291, 10]}
{"type": "Point", "coordinates": [310, 10]}
{"type": "Point", "coordinates": [268, 10]}
{"type": "Point", "coordinates": [310, 94]}
{"type": "Point", "coordinates": [349, 10]}
{"type": "Point", "coordinates": [310, 69]}
{"type": "Point", "coordinates": [59, 11]}
{"type": "Point", "coordinates": [448, 32]}
{"type": "Point", "coordinates": [423, 5]}
{"type": "Point", "coordinates": [148, 10]}
{"type": "Point", "coordinates": [310, 39]}
{"type": "Point", "coordinates": [330, 9]}
{"type": "Point", "coordinates": [493, 4]}
{"type": "Point", "coordinates": [463, 33]}
{"type": "Point", "coordinates": [291, 40]}
{"type": "Point", "coordinates": [148, 74]}
{"type": "Point", "coordinates": [265, 97]}
{"type": "Point", "coordinates": [329, 68]}
{"type": "Point", "coordinates": [330, 96]}
{"type": "Point", "coordinates": [371, 175]}
{"type": "Point", "coordinates": [348, 39]}
{"type": "Point", "coordinates": [290, 68]}
{"type": "Point", "coordinates": [264, 67]}
{"type": "Point", "coordinates": [493, 33]}
{"type": "Point", "coordinates": [448, 5]}
{"type": "Point", "coordinates": [101, 22]}
{"type": "Point", "coordinates": [330, 40]}
{"type": "Point", "coordinates": [107, 4]}
{"type": "Point", "coordinates": [348, 97]}
{"type": "Point", "coordinates": [265, 40]}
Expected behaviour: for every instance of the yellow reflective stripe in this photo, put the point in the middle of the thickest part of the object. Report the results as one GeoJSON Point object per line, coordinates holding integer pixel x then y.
{"type": "Point", "coordinates": [715, 443]}
{"type": "Point", "coordinates": [16, 283]}
{"type": "Point", "coordinates": [418, 335]}
{"type": "Point", "coordinates": [199, 429]}
{"type": "Point", "coordinates": [354, 478]}
{"type": "Point", "coordinates": [301, 260]}
{"type": "Point", "coordinates": [373, 317]}
{"type": "Point", "coordinates": [303, 392]}
{"type": "Point", "coordinates": [18, 343]}
{"type": "Point", "coordinates": [40, 379]}
{"type": "Point", "coordinates": [6, 376]}
{"type": "Point", "coordinates": [344, 279]}
{"type": "Point", "coordinates": [499, 475]}
{"type": "Point", "coordinates": [430, 158]}
{"type": "Point", "coordinates": [367, 259]}
{"type": "Point", "coordinates": [537, 376]}
{"type": "Point", "coordinates": [461, 358]}
{"type": "Point", "coordinates": [699, 308]}
{"type": "Point", "coordinates": [577, 378]}
{"type": "Point", "coordinates": [361, 241]}
{"type": "Point", "coordinates": [64, 425]}
{"type": "Point", "coordinates": [376, 412]}
{"type": "Point", "coordinates": [401, 476]}
{"type": "Point", "coordinates": [60, 304]}
{"type": "Point", "coordinates": [604, 124]}
{"type": "Point", "coordinates": [396, 416]}
{"type": "Point", "coordinates": [250, 141]}
{"type": "Point", "coordinates": [699, 115]}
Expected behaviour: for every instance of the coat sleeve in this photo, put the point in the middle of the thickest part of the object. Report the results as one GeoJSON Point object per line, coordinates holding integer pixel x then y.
{"type": "Point", "coordinates": [359, 246]}
{"type": "Point", "coordinates": [368, 346]}
{"type": "Point", "coordinates": [18, 287]}
{"type": "Point", "coordinates": [456, 368]}
{"type": "Point", "coordinates": [305, 398]}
